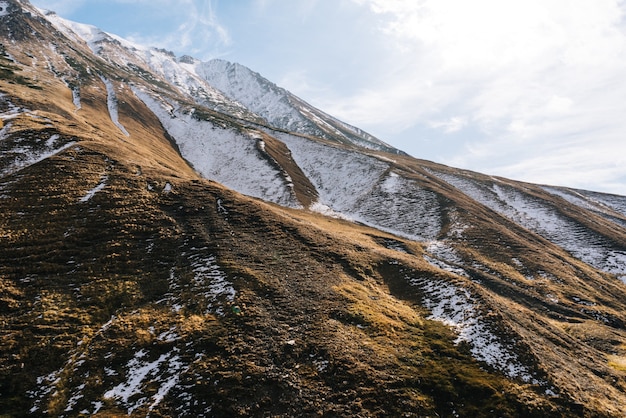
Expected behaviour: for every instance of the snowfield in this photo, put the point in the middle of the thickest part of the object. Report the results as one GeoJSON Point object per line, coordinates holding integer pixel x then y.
{"type": "Point", "coordinates": [400, 206]}
{"type": "Point", "coordinates": [187, 81]}
{"type": "Point", "coordinates": [364, 189]}
{"type": "Point", "coordinates": [260, 96]}
{"type": "Point", "coordinates": [230, 157]}
{"type": "Point", "coordinates": [544, 219]}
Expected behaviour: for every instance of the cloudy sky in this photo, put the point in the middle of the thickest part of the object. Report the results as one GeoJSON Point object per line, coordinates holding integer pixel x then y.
{"type": "Point", "coordinates": [533, 90]}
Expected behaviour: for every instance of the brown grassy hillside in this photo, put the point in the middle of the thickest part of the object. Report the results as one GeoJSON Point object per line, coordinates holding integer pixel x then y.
{"type": "Point", "coordinates": [132, 286]}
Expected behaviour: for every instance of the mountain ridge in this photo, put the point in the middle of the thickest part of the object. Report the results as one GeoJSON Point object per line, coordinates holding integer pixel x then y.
{"type": "Point", "coordinates": [258, 94]}
{"type": "Point", "coordinates": [167, 251]}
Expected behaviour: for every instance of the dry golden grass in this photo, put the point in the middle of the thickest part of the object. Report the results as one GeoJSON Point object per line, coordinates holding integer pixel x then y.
{"type": "Point", "coordinates": [377, 307]}
{"type": "Point", "coordinates": [618, 363]}
{"type": "Point", "coordinates": [329, 324]}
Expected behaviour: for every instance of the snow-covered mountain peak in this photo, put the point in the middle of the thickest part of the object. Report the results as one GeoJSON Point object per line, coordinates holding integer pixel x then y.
{"type": "Point", "coordinates": [219, 85]}
{"type": "Point", "coordinates": [91, 35]}
{"type": "Point", "coordinates": [282, 109]}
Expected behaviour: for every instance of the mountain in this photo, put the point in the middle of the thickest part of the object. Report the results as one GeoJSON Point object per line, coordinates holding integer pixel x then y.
{"type": "Point", "coordinates": [279, 107]}
{"type": "Point", "coordinates": [185, 238]}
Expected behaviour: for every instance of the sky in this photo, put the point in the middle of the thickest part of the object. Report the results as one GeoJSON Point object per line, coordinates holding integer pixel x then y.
{"type": "Point", "coordinates": [532, 90]}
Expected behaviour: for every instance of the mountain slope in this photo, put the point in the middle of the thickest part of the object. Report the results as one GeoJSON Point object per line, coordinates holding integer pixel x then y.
{"type": "Point", "coordinates": [168, 249]}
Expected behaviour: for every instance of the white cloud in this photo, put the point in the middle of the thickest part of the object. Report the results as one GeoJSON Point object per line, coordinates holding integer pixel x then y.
{"type": "Point", "coordinates": [524, 74]}
{"type": "Point", "coordinates": [453, 124]}
{"type": "Point", "coordinates": [197, 30]}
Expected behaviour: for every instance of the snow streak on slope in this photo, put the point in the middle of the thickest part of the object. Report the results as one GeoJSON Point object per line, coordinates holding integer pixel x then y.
{"type": "Point", "coordinates": [544, 219]}
{"type": "Point", "coordinates": [443, 256]}
{"type": "Point", "coordinates": [578, 199]}
{"type": "Point", "coordinates": [231, 157]}
{"type": "Point", "coordinates": [364, 188]}
{"type": "Point", "coordinates": [617, 203]}
{"type": "Point", "coordinates": [112, 105]}
{"type": "Point", "coordinates": [76, 98]}
{"type": "Point", "coordinates": [91, 193]}
{"type": "Point", "coordinates": [455, 306]}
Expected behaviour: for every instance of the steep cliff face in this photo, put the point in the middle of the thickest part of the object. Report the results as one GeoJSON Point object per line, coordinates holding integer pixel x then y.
{"type": "Point", "coordinates": [168, 248]}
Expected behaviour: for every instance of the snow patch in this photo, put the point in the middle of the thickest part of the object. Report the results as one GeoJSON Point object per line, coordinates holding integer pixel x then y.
{"type": "Point", "coordinates": [327, 211]}
{"type": "Point", "coordinates": [12, 110]}
{"type": "Point", "coordinates": [212, 282]}
{"type": "Point", "coordinates": [444, 257]}
{"type": "Point", "coordinates": [26, 155]}
{"type": "Point", "coordinates": [140, 371]}
{"type": "Point", "coordinates": [76, 99]}
{"type": "Point", "coordinates": [4, 132]}
{"type": "Point", "coordinates": [456, 307]}
{"type": "Point", "coordinates": [456, 228]}
{"type": "Point", "coordinates": [169, 336]}
{"type": "Point", "coordinates": [76, 396]}
{"type": "Point", "coordinates": [92, 192]}
{"type": "Point", "coordinates": [46, 385]}
{"type": "Point", "coordinates": [220, 208]}
{"type": "Point", "coordinates": [208, 282]}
